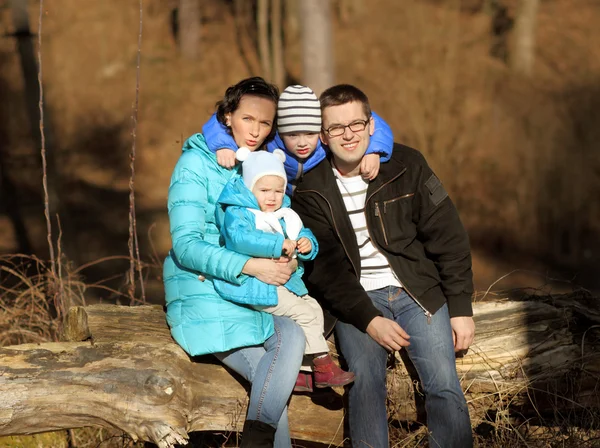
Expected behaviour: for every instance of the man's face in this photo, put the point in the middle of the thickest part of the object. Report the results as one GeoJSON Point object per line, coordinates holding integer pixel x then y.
{"type": "Point", "coordinates": [301, 144]}
{"type": "Point", "coordinates": [269, 191]}
{"type": "Point", "coordinates": [348, 148]}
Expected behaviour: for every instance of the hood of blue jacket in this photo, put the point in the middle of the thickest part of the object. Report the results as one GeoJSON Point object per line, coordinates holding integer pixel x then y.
{"type": "Point", "coordinates": [237, 193]}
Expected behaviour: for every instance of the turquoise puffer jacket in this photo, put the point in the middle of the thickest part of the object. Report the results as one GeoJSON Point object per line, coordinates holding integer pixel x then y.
{"type": "Point", "coordinates": [238, 227]}
{"type": "Point", "coordinates": [200, 320]}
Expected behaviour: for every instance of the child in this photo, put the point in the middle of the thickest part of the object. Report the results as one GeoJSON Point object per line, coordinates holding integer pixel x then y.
{"type": "Point", "coordinates": [299, 126]}
{"type": "Point", "coordinates": [255, 220]}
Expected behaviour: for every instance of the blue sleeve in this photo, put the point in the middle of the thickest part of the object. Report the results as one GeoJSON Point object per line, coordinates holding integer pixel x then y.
{"type": "Point", "coordinates": [382, 140]}
{"type": "Point", "coordinates": [306, 233]}
{"type": "Point", "coordinates": [241, 235]}
{"type": "Point", "coordinates": [188, 203]}
{"type": "Point", "coordinates": [315, 158]}
{"type": "Point", "coordinates": [216, 135]}
{"type": "Point", "coordinates": [290, 164]}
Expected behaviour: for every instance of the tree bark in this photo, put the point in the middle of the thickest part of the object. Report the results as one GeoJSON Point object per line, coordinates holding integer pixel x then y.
{"type": "Point", "coordinates": [189, 28]}
{"type": "Point", "coordinates": [522, 56]}
{"type": "Point", "coordinates": [317, 46]}
{"type": "Point", "coordinates": [262, 21]}
{"type": "Point", "coordinates": [277, 44]}
{"type": "Point", "coordinates": [126, 372]}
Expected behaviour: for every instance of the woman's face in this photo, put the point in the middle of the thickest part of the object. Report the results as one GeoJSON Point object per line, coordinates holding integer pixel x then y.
{"type": "Point", "coordinates": [252, 121]}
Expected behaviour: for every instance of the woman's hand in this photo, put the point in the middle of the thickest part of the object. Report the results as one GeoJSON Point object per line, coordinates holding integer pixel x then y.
{"type": "Point", "coordinates": [226, 157]}
{"type": "Point", "coordinates": [272, 272]}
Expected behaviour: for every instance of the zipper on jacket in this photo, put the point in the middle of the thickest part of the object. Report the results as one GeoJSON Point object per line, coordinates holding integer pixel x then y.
{"type": "Point", "coordinates": [336, 229]}
{"type": "Point", "coordinates": [425, 311]}
{"type": "Point", "coordinates": [385, 203]}
{"type": "Point", "coordinates": [377, 214]}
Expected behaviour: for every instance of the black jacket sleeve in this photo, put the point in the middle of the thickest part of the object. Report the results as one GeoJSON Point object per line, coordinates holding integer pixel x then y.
{"type": "Point", "coordinates": [445, 240]}
{"type": "Point", "coordinates": [331, 277]}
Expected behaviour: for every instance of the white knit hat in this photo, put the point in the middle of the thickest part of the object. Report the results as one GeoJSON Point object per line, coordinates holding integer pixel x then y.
{"type": "Point", "coordinates": [298, 110]}
{"type": "Point", "coordinates": [258, 164]}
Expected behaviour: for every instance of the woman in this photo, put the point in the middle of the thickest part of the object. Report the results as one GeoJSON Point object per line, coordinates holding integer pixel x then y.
{"type": "Point", "coordinates": [248, 341]}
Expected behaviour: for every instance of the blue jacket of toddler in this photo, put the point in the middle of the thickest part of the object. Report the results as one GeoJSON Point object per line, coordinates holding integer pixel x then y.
{"type": "Point", "coordinates": [238, 228]}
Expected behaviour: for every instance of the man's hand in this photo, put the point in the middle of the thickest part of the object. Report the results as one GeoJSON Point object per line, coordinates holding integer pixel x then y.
{"type": "Point", "coordinates": [289, 246]}
{"type": "Point", "coordinates": [369, 166]}
{"type": "Point", "coordinates": [388, 334]}
{"type": "Point", "coordinates": [463, 332]}
{"type": "Point", "coordinates": [226, 157]}
{"type": "Point", "coordinates": [304, 245]}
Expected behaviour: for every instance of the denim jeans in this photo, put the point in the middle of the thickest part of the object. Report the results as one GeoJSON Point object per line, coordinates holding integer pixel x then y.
{"type": "Point", "coordinates": [431, 351]}
{"type": "Point", "coordinates": [272, 368]}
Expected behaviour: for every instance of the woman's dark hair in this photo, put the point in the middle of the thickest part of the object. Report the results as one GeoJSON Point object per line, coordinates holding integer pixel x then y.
{"type": "Point", "coordinates": [250, 86]}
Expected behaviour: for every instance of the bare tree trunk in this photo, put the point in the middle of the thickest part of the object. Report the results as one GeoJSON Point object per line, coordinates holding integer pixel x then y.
{"type": "Point", "coordinates": [523, 53]}
{"type": "Point", "coordinates": [277, 44]}
{"type": "Point", "coordinates": [189, 28]}
{"type": "Point", "coordinates": [318, 64]}
{"type": "Point", "coordinates": [262, 20]}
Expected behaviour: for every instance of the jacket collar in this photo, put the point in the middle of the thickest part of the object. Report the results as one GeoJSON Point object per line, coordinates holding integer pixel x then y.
{"type": "Point", "coordinates": [322, 179]}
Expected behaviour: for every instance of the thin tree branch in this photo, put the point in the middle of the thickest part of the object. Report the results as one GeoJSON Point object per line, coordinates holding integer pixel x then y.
{"type": "Point", "coordinates": [43, 146]}
{"type": "Point", "coordinates": [133, 239]}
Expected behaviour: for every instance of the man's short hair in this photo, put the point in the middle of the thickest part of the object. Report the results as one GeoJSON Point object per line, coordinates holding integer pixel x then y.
{"type": "Point", "coordinates": [344, 94]}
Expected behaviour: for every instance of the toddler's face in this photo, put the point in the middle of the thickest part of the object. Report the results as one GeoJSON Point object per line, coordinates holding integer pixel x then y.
{"type": "Point", "coordinates": [269, 191]}
{"type": "Point", "coordinates": [301, 144]}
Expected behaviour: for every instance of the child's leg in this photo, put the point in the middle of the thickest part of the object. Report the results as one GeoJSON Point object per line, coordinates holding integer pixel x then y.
{"type": "Point", "coordinates": [307, 313]}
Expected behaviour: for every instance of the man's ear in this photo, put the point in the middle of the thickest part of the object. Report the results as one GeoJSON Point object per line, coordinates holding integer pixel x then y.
{"type": "Point", "coordinates": [323, 137]}
{"type": "Point", "coordinates": [371, 125]}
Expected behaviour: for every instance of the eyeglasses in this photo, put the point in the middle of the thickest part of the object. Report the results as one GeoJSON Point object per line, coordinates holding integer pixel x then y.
{"type": "Point", "coordinates": [340, 129]}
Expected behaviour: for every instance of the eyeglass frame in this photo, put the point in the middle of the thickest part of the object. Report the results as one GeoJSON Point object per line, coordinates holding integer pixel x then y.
{"type": "Point", "coordinates": [344, 126]}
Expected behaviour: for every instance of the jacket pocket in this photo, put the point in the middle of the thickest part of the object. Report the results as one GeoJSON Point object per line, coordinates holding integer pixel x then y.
{"type": "Point", "coordinates": [395, 219]}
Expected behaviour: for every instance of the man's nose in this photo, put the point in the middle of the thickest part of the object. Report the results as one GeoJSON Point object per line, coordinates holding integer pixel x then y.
{"type": "Point", "coordinates": [348, 134]}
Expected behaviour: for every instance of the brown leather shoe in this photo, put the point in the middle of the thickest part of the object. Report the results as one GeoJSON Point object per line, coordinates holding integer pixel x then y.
{"type": "Point", "coordinates": [328, 374]}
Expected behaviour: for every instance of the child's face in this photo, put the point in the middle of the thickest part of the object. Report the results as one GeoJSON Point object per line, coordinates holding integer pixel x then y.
{"type": "Point", "coordinates": [301, 144]}
{"type": "Point", "coordinates": [269, 191]}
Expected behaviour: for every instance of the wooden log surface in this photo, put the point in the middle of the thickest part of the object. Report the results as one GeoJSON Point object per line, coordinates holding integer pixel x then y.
{"type": "Point", "coordinates": [120, 368]}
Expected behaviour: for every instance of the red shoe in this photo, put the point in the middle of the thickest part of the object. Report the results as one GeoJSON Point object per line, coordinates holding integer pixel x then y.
{"type": "Point", "coordinates": [304, 383]}
{"type": "Point", "coordinates": [328, 374]}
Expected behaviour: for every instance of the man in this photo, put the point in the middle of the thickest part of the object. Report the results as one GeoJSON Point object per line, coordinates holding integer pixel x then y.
{"type": "Point", "coordinates": [394, 267]}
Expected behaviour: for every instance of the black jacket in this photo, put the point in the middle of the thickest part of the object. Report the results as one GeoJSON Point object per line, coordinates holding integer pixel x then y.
{"type": "Point", "coordinates": [410, 219]}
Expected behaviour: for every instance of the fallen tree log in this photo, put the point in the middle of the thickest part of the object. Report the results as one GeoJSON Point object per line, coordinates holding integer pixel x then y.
{"type": "Point", "coordinates": [119, 368]}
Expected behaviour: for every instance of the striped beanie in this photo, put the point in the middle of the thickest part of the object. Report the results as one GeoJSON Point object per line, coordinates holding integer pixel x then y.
{"type": "Point", "coordinates": [298, 110]}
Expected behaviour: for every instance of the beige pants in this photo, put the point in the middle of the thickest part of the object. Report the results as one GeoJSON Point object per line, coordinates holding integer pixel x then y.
{"type": "Point", "coordinates": [307, 313]}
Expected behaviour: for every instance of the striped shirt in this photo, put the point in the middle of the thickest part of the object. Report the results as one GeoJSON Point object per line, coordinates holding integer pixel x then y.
{"type": "Point", "coordinates": [375, 271]}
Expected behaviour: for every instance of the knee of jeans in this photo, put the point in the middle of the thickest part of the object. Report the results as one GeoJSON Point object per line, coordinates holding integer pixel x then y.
{"type": "Point", "coordinates": [368, 371]}
{"type": "Point", "coordinates": [291, 334]}
{"type": "Point", "coordinates": [441, 380]}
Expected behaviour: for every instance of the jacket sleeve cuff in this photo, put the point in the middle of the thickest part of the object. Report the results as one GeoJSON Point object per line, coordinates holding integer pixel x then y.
{"type": "Point", "coordinates": [364, 316]}
{"type": "Point", "coordinates": [460, 305]}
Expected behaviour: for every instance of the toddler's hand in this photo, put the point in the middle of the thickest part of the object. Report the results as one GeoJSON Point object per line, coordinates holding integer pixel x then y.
{"type": "Point", "coordinates": [226, 157]}
{"type": "Point", "coordinates": [289, 246]}
{"type": "Point", "coordinates": [369, 166]}
{"type": "Point", "coordinates": [304, 245]}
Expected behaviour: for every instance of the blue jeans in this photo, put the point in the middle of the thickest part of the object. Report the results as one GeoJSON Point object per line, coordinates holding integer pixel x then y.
{"type": "Point", "coordinates": [272, 368]}
{"type": "Point", "coordinates": [431, 351]}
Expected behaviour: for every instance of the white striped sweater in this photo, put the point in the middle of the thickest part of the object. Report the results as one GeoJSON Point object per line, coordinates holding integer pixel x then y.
{"type": "Point", "coordinates": [375, 270]}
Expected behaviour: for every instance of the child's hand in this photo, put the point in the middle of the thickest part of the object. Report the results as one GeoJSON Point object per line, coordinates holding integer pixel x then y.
{"type": "Point", "coordinates": [289, 246]}
{"type": "Point", "coordinates": [369, 166]}
{"type": "Point", "coordinates": [226, 157]}
{"type": "Point", "coordinates": [304, 245]}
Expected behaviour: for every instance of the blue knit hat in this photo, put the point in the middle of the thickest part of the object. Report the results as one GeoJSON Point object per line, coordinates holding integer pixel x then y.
{"type": "Point", "coordinates": [258, 164]}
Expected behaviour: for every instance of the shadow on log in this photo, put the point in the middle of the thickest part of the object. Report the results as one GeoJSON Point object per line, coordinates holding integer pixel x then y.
{"type": "Point", "coordinates": [119, 368]}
